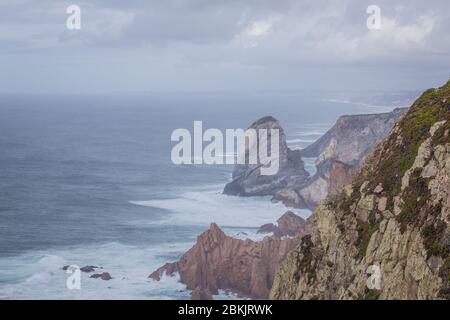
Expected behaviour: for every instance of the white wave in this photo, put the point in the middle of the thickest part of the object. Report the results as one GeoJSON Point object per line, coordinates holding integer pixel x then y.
{"type": "Point", "coordinates": [205, 207]}
{"type": "Point", "coordinates": [299, 140]}
{"type": "Point", "coordinates": [39, 275]}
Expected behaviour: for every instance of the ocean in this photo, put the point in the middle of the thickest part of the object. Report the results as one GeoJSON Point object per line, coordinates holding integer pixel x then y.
{"type": "Point", "coordinates": [88, 180]}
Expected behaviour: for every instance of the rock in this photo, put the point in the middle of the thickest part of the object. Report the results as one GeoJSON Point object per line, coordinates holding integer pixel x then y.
{"type": "Point", "coordinates": [104, 276]}
{"type": "Point", "coordinates": [200, 294]}
{"type": "Point", "coordinates": [218, 261]}
{"type": "Point", "coordinates": [289, 224]}
{"type": "Point", "coordinates": [353, 136]}
{"type": "Point", "coordinates": [88, 269]}
{"type": "Point", "coordinates": [167, 269]}
{"type": "Point", "coordinates": [331, 177]}
{"type": "Point", "coordinates": [247, 180]}
{"type": "Point", "coordinates": [382, 202]}
{"type": "Point", "coordinates": [339, 154]}
{"type": "Point", "coordinates": [378, 188]}
{"type": "Point", "coordinates": [65, 267]}
{"type": "Point", "coordinates": [351, 233]}
{"type": "Point", "coordinates": [269, 228]}
{"type": "Point", "coordinates": [290, 198]}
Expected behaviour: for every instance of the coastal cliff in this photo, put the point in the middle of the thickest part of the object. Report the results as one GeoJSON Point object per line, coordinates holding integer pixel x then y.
{"type": "Point", "coordinates": [247, 179]}
{"type": "Point", "coordinates": [394, 215]}
{"type": "Point", "coordinates": [245, 267]}
{"type": "Point", "coordinates": [339, 153]}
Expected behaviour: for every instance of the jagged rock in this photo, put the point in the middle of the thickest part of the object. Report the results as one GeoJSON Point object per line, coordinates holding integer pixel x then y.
{"type": "Point", "coordinates": [246, 178]}
{"type": "Point", "coordinates": [269, 228]}
{"type": "Point", "coordinates": [349, 233]}
{"type": "Point", "coordinates": [200, 294]}
{"type": "Point", "coordinates": [289, 224]}
{"type": "Point", "coordinates": [352, 137]}
{"type": "Point", "coordinates": [88, 269]}
{"type": "Point", "coordinates": [104, 276]}
{"type": "Point", "coordinates": [218, 261]}
{"type": "Point", "coordinates": [290, 198]}
{"type": "Point", "coordinates": [168, 269]}
{"type": "Point", "coordinates": [332, 175]}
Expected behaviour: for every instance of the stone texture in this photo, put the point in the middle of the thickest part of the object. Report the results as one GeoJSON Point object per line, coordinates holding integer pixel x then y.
{"type": "Point", "coordinates": [357, 229]}
{"type": "Point", "coordinates": [245, 267]}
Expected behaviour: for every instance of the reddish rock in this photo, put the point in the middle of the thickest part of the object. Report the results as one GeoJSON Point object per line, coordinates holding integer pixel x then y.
{"type": "Point", "coordinates": [269, 228]}
{"type": "Point", "coordinates": [200, 294]}
{"type": "Point", "coordinates": [168, 269]}
{"type": "Point", "coordinates": [218, 261]}
{"type": "Point", "coordinates": [290, 224]}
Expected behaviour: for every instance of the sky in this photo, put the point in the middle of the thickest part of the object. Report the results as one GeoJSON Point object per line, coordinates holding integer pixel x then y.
{"type": "Point", "coordinates": [144, 46]}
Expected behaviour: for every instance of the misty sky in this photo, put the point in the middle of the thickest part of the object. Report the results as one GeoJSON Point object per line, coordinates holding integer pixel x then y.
{"type": "Point", "coordinates": [135, 46]}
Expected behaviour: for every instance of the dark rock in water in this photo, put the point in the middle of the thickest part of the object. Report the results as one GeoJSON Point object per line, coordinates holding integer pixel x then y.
{"type": "Point", "coordinates": [65, 267]}
{"type": "Point", "coordinates": [88, 269]}
{"type": "Point", "coordinates": [168, 269]}
{"type": "Point", "coordinates": [268, 228]}
{"type": "Point", "coordinates": [104, 276]}
{"type": "Point", "coordinates": [200, 294]}
{"type": "Point", "coordinates": [247, 178]}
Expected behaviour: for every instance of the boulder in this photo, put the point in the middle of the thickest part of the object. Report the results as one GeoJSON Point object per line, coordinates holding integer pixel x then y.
{"type": "Point", "coordinates": [104, 276]}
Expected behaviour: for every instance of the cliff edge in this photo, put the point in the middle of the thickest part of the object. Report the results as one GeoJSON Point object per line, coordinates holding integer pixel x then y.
{"type": "Point", "coordinates": [393, 216]}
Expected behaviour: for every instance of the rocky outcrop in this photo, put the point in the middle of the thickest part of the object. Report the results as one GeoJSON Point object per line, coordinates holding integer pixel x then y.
{"type": "Point", "coordinates": [289, 224]}
{"type": "Point", "coordinates": [247, 179]}
{"type": "Point", "coordinates": [200, 294]}
{"type": "Point", "coordinates": [393, 218]}
{"type": "Point", "coordinates": [339, 153]}
{"type": "Point", "coordinates": [353, 136]}
{"type": "Point", "coordinates": [104, 276]}
{"type": "Point", "coordinates": [245, 267]}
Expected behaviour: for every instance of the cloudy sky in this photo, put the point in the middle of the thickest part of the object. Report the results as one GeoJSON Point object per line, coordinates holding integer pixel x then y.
{"type": "Point", "coordinates": [136, 46]}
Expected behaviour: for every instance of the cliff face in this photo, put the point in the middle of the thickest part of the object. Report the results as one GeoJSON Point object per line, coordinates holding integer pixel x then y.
{"type": "Point", "coordinates": [339, 153]}
{"type": "Point", "coordinates": [247, 178]}
{"type": "Point", "coordinates": [352, 137]}
{"type": "Point", "coordinates": [246, 267]}
{"type": "Point", "coordinates": [394, 215]}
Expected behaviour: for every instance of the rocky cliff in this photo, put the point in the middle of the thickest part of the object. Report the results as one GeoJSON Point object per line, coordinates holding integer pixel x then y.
{"type": "Point", "coordinates": [245, 267]}
{"type": "Point", "coordinates": [393, 216]}
{"type": "Point", "coordinates": [338, 153]}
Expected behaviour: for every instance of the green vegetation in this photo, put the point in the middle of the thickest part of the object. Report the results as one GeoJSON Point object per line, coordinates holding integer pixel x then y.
{"type": "Point", "coordinates": [372, 294]}
{"type": "Point", "coordinates": [433, 235]}
{"type": "Point", "coordinates": [432, 106]}
{"type": "Point", "coordinates": [365, 232]}
{"type": "Point", "coordinates": [306, 262]}
{"type": "Point", "coordinates": [415, 198]}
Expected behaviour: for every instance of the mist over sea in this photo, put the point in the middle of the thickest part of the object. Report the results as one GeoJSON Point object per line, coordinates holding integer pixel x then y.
{"type": "Point", "coordinates": [88, 180]}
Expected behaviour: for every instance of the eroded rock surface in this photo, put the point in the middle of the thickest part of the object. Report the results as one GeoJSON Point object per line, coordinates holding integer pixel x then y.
{"type": "Point", "coordinates": [245, 267]}
{"type": "Point", "coordinates": [394, 215]}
